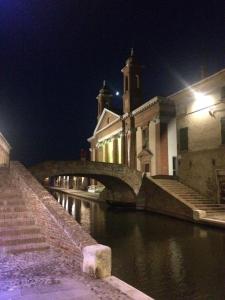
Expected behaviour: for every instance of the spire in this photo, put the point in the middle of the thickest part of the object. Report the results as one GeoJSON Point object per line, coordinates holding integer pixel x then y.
{"type": "Point", "coordinates": [104, 98]}
{"type": "Point", "coordinates": [132, 52]}
{"type": "Point", "coordinates": [132, 96]}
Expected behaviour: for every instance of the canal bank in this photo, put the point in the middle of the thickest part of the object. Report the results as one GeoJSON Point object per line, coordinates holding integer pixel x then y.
{"type": "Point", "coordinates": [161, 256]}
{"type": "Point", "coordinates": [215, 220]}
{"type": "Point", "coordinates": [78, 194]}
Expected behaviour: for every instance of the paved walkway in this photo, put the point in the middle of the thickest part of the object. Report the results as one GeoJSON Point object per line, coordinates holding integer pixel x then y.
{"type": "Point", "coordinates": [79, 193]}
{"type": "Point", "coordinates": [50, 275]}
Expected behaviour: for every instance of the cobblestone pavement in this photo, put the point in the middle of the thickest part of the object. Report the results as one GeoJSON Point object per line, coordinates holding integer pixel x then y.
{"type": "Point", "coordinates": [50, 274]}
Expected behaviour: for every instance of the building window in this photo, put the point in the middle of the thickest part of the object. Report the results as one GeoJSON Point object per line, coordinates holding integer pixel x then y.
{"type": "Point", "coordinates": [147, 168]}
{"type": "Point", "coordinates": [223, 92]}
{"type": "Point", "coordinates": [223, 131]}
{"type": "Point", "coordinates": [183, 138]}
{"type": "Point", "coordinates": [145, 138]}
{"type": "Point", "coordinates": [126, 83]}
{"type": "Point", "coordinates": [174, 166]}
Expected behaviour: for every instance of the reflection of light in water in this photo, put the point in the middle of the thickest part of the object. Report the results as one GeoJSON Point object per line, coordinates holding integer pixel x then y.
{"type": "Point", "coordinates": [200, 233]}
{"type": "Point", "coordinates": [58, 197]}
{"type": "Point", "coordinates": [139, 252]}
{"type": "Point", "coordinates": [176, 259]}
{"type": "Point", "coordinates": [85, 216]}
{"type": "Point", "coordinates": [74, 209]}
{"type": "Point", "coordinates": [67, 203]}
{"type": "Point", "coordinates": [63, 200]}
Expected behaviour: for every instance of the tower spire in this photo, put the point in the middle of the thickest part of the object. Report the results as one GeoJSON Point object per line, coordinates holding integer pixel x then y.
{"type": "Point", "coordinates": [132, 96]}
{"type": "Point", "coordinates": [132, 51]}
{"type": "Point", "coordinates": [104, 99]}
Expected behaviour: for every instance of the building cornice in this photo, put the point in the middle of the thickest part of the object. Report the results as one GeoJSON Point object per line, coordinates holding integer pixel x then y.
{"type": "Point", "coordinates": [145, 106]}
{"type": "Point", "coordinates": [107, 126]}
{"type": "Point", "coordinates": [105, 110]}
{"type": "Point", "coordinates": [187, 88]}
{"type": "Point", "coordinates": [110, 135]}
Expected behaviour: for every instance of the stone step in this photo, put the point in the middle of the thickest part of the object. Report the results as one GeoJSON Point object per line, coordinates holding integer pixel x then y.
{"type": "Point", "coordinates": [10, 195]}
{"type": "Point", "coordinates": [197, 198]}
{"type": "Point", "coordinates": [11, 203]}
{"type": "Point", "coordinates": [15, 215]}
{"type": "Point", "coordinates": [175, 185]}
{"type": "Point", "coordinates": [191, 194]}
{"type": "Point", "coordinates": [199, 201]}
{"type": "Point", "coordinates": [19, 208]}
{"type": "Point", "coordinates": [212, 205]}
{"type": "Point", "coordinates": [215, 210]}
{"type": "Point", "coordinates": [22, 239]}
{"type": "Point", "coordinates": [21, 230]}
{"type": "Point", "coordinates": [222, 213]}
{"type": "Point", "coordinates": [16, 222]}
{"type": "Point", "coordinates": [209, 208]}
{"type": "Point", "coordinates": [17, 249]}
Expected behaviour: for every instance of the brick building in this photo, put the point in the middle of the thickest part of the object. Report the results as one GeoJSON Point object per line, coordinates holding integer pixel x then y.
{"type": "Point", "coordinates": [142, 136]}
{"type": "Point", "coordinates": [200, 121]}
{"type": "Point", "coordinates": [182, 134]}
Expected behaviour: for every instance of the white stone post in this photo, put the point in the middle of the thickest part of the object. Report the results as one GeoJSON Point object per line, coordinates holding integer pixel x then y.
{"type": "Point", "coordinates": [97, 260]}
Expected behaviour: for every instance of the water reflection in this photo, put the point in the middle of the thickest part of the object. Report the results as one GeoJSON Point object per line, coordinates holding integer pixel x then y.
{"type": "Point", "coordinates": [164, 257]}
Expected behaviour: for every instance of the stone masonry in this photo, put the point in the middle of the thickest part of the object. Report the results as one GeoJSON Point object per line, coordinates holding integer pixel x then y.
{"type": "Point", "coordinates": [51, 271]}
{"type": "Point", "coordinates": [114, 176]}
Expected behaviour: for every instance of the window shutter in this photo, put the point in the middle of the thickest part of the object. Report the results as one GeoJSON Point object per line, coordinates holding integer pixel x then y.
{"type": "Point", "coordinates": [183, 139]}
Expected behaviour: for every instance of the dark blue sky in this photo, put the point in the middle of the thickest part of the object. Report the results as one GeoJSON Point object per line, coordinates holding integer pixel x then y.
{"type": "Point", "coordinates": [55, 54]}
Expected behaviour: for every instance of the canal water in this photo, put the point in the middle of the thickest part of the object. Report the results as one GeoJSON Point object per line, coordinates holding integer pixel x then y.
{"type": "Point", "coordinates": [161, 256]}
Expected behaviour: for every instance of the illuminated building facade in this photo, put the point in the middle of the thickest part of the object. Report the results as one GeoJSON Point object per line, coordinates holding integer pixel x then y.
{"type": "Point", "coordinates": [143, 136]}
{"type": "Point", "coordinates": [182, 134]}
{"type": "Point", "coordinates": [200, 119]}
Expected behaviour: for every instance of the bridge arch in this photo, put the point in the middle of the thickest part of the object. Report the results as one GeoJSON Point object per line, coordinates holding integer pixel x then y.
{"type": "Point", "coordinates": [122, 183]}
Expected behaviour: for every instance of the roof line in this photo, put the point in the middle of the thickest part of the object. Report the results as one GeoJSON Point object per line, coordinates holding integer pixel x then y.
{"type": "Point", "coordinates": [196, 83]}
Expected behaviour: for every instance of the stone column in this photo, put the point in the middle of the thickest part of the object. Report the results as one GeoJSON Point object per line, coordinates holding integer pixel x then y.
{"type": "Point", "coordinates": [152, 146]}
{"type": "Point", "coordinates": [70, 182]}
{"type": "Point", "coordinates": [115, 151]}
{"type": "Point", "coordinates": [122, 148]}
{"type": "Point", "coordinates": [106, 152]}
{"type": "Point", "coordinates": [138, 146]}
{"type": "Point", "coordinates": [132, 148]}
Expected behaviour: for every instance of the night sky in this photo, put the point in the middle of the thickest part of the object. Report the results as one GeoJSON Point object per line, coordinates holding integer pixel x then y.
{"type": "Point", "coordinates": [54, 55]}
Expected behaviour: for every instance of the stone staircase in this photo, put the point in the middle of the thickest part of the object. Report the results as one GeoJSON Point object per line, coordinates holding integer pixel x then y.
{"type": "Point", "coordinates": [18, 231]}
{"type": "Point", "coordinates": [193, 198]}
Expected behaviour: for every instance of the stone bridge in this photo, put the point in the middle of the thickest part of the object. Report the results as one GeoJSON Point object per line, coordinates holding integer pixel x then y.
{"type": "Point", "coordinates": [122, 183]}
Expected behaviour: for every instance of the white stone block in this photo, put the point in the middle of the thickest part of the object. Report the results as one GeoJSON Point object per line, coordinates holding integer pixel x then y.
{"type": "Point", "coordinates": [198, 214]}
{"type": "Point", "coordinates": [97, 260]}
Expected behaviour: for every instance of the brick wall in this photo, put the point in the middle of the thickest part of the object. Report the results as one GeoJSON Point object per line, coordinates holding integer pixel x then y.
{"type": "Point", "coordinates": [59, 228]}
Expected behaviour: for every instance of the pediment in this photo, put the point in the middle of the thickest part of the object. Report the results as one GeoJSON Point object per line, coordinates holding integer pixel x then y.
{"type": "Point", "coordinates": [145, 153]}
{"type": "Point", "coordinates": [107, 117]}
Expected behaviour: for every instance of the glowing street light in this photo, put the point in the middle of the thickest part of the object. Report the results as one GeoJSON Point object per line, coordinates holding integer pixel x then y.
{"type": "Point", "coordinates": [202, 101]}
{"type": "Point", "coordinates": [117, 93]}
